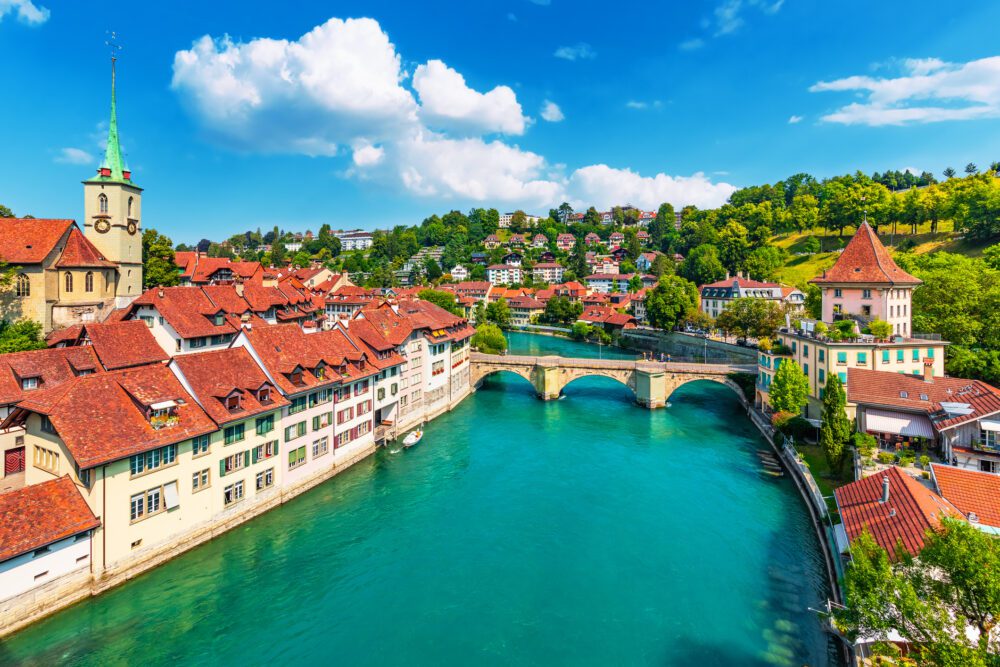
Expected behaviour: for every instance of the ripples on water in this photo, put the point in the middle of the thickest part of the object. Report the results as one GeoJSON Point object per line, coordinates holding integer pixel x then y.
{"type": "Point", "coordinates": [580, 532]}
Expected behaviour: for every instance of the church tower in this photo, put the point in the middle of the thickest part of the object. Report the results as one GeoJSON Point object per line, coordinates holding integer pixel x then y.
{"type": "Point", "coordinates": [113, 213]}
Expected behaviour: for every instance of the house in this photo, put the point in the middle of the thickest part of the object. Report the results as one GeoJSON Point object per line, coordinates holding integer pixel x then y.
{"type": "Point", "coordinates": [479, 258]}
{"type": "Point", "coordinates": [820, 354]}
{"type": "Point", "coordinates": [638, 306]}
{"type": "Point", "coordinates": [117, 344]}
{"type": "Point", "coordinates": [199, 269]}
{"type": "Point", "coordinates": [975, 494]}
{"type": "Point", "coordinates": [565, 242]}
{"type": "Point", "coordinates": [716, 297]}
{"type": "Point", "coordinates": [547, 256]}
{"type": "Point", "coordinates": [516, 241]}
{"type": "Point", "coordinates": [606, 283]}
{"type": "Point", "coordinates": [607, 318]}
{"type": "Point", "coordinates": [616, 238]}
{"type": "Point", "coordinates": [503, 274]}
{"type": "Point", "coordinates": [459, 272]}
{"type": "Point", "coordinates": [572, 290]}
{"type": "Point", "coordinates": [45, 536]}
{"type": "Point", "coordinates": [619, 254]}
{"type": "Point", "coordinates": [895, 508]}
{"type": "Point", "coordinates": [343, 303]}
{"type": "Point", "coordinates": [524, 310]}
{"type": "Point", "coordinates": [354, 240]}
{"type": "Point", "coordinates": [506, 219]}
{"type": "Point", "coordinates": [539, 241]}
{"type": "Point", "coordinates": [602, 264]}
{"type": "Point", "coordinates": [643, 236]}
{"type": "Point", "coordinates": [513, 259]}
{"type": "Point", "coordinates": [548, 272]}
{"type": "Point", "coordinates": [592, 239]}
{"type": "Point", "coordinates": [644, 262]}
{"type": "Point", "coordinates": [960, 417]}
{"type": "Point", "coordinates": [491, 242]}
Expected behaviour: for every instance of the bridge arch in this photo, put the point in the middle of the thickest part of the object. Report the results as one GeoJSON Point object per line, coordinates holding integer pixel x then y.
{"type": "Point", "coordinates": [723, 380]}
{"type": "Point", "coordinates": [567, 377]}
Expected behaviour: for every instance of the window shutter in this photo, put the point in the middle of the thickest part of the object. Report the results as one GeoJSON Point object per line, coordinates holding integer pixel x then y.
{"type": "Point", "coordinates": [246, 458]}
{"type": "Point", "coordinates": [315, 423]}
{"type": "Point", "coordinates": [254, 455]}
{"type": "Point", "coordinates": [222, 468]}
{"type": "Point", "coordinates": [275, 447]}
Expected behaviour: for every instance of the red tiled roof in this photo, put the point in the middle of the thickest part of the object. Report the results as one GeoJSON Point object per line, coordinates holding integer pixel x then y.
{"type": "Point", "coordinates": [81, 253]}
{"type": "Point", "coordinates": [227, 298]}
{"type": "Point", "coordinates": [883, 388]}
{"type": "Point", "coordinates": [206, 267]}
{"type": "Point", "coordinates": [971, 491]}
{"type": "Point", "coordinates": [109, 404]}
{"type": "Point", "coordinates": [40, 514]}
{"type": "Point", "coordinates": [187, 309]}
{"type": "Point", "coordinates": [67, 335]}
{"type": "Point", "coordinates": [124, 344]}
{"type": "Point", "coordinates": [284, 347]}
{"type": "Point", "coordinates": [865, 260]}
{"type": "Point", "coordinates": [912, 510]}
{"type": "Point", "coordinates": [217, 374]}
{"type": "Point", "coordinates": [745, 283]}
{"type": "Point", "coordinates": [30, 240]}
{"type": "Point", "coordinates": [525, 302]}
{"type": "Point", "coordinates": [53, 367]}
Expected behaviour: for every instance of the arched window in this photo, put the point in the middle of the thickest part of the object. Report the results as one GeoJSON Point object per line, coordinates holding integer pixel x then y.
{"type": "Point", "coordinates": [88, 282]}
{"type": "Point", "coordinates": [22, 286]}
{"type": "Point", "coordinates": [69, 281]}
{"type": "Point", "coordinates": [130, 207]}
{"type": "Point", "coordinates": [102, 202]}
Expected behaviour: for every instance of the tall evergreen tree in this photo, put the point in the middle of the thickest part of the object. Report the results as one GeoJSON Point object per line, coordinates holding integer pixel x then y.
{"type": "Point", "coordinates": [835, 430]}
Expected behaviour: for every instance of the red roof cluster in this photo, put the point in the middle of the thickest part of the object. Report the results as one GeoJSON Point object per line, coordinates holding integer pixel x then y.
{"type": "Point", "coordinates": [49, 368]}
{"type": "Point", "coordinates": [80, 253]}
{"type": "Point", "coordinates": [865, 260]}
{"type": "Point", "coordinates": [30, 240]}
{"type": "Point", "coordinates": [118, 344]}
{"type": "Point", "coordinates": [39, 514]}
{"type": "Point", "coordinates": [976, 494]}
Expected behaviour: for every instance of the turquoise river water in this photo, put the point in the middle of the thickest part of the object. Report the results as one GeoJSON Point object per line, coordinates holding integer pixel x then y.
{"type": "Point", "coordinates": [584, 531]}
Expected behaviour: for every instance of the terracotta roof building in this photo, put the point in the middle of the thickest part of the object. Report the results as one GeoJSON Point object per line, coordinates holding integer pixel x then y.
{"type": "Point", "coordinates": [39, 515]}
{"type": "Point", "coordinates": [118, 344]}
{"type": "Point", "coordinates": [975, 494]}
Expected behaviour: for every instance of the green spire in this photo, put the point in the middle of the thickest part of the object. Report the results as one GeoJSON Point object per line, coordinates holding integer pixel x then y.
{"type": "Point", "coordinates": [113, 167]}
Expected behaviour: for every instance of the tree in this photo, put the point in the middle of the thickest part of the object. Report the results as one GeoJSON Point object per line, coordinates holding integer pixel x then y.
{"type": "Point", "coordinates": [20, 335]}
{"type": "Point", "coordinates": [734, 246]}
{"type": "Point", "coordinates": [789, 390]}
{"type": "Point", "coordinates": [443, 299]}
{"type": "Point", "coordinates": [581, 330]}
{"type": "Point", "coordinates": [949, 173]}
{"type": "Point", "coordinates": [634, 284]}
{"type": "Point", "coordinates": [805, 212]}
{"type": "Point", "coordinates": [930, 600]}
{"type": "Point", "coordinates": [432, 269]}
{"type": "Point", "coordinates": [560, 310]}
{"type": "Point", "coordinates": [578, 260]}
{"type": "Point", "coordinates": [669, 301]}
{"type": "Point", "coordinates": [301, 259]}
{"type": "Point", "coordinates": [751, 317]}
{"type": "Point", "coordinates": [158, 266]}
{"type": "Point", "coordinates": [6, 212]}
{"type": "Point", "coordinates": [880, 329]}
{"type": "Point", "coordinates": [489, 339]}
{"type": "Point", "coordinates": [702, 265]}
{"type": "Point", "coordinates": [498, 312]}
{"type": "Point", "coordinates": [835, 430]}
{"type": "Point", "coordinates": [660, 225]}
{"type": "Point", "coordinates": [971, 168]}
{"type": "Point", "coordinates": [632, 246]}
{"type": "Point", "coordinates": [518, 221]}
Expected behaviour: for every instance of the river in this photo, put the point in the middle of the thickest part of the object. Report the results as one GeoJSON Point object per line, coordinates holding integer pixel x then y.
{"type": "Point", "coordinates": [585, 531]}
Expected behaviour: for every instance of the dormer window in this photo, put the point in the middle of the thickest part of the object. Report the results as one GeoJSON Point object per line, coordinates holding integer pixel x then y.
{"type": "Point", "coordinates": [233, 402]}
{"type": "Point", "coordinates": [320, 371]}
{"type": "Point", "coordinates": [264, 394]}
{"type": "Point", "coordinates": [27, 384]}
{"type": "Point", "coordinates": [296, 376]}
{"type": "Point", "coordinates": [219, 319]}
{"type": "Point", "coordinates": [904, 394]}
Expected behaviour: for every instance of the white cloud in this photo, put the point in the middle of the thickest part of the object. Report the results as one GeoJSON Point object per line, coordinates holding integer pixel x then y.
{"type": "Point", "coordinates": [28, 12]}
{"type": "Point", "coordinates": [793, 119]}
{"type": "Point", "coordinates": [340, 90]}
{"type": "Point", "coordinates": [691, 44]}
{"type": "Point", "coordinates": [604, 186]}
{"type": "Point", "coordinates": [74, 156]}
{"type": "Point", "coordinates": [728, 15]}
{"type": "Point", "coordinates": [446, 102]}
{"type": "Point", "coordinates": [579, 51]}
{"type": "Point", "coordinates": [551, 112]}
{"type": "Point", "coordinates": [640, 104]}
{"type": "Point", "coordinates": [928, 90]}
{"type": "Point", "coordinates": [912, 170]}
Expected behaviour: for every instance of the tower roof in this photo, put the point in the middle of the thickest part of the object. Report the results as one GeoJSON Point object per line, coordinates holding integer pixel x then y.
{"type": "Point", "coordinates": [113, 167]}
{"type": "Point", "coordinates": [865, 260]}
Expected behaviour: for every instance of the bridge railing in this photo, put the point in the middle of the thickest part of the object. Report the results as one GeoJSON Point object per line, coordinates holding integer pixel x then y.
{"type": "Point", "coordinates": [611, 364]}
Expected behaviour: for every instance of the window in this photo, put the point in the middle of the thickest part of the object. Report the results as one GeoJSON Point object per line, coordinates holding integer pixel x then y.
{"type": "Point", "coordinates": [27, 384]}
{"type": "Point", "coordinates": [862, 357]}
{"type": "Point", "coordinates": [265, 451]}
{"type": "Point", "coordinates": [156, 500]}
{"type": "Point", "coordinates": [899, 356]}
{"type": "Point", "coordinates": [219, 319]}
{"type": "Point", "coordinates": [199, 445]}
{"type": "Point", "coordinates": [233, 402]}
{"type": "Point", "coordinates": [298, 405]}
{"type": "Point", "coordinates": [989, 439]}
{"type": "Point", "coordinates": [22, 286]}
{"type": "Point", "coordinates": [265, 479]}
{"type": "Point", "coordinates": [47, 426]}
{"type": "Point", "coordinates": [930, 353]}
{"type": "Point", "coordinates": [843, 378]}
{"type": "Point", "coordinates": [321, 396]}
{"type": "Point", "coordinates": [838, 293]}
{"type": "Point", "coordinates": [264, 394]}
{"type": "Point", "coordinates": [69, 281]}
{"type": "Point", "coordinates": [916, 354]}
{"type": "Point", "coordinates": [199, 480]}
{"type": "Point", "coordinates": [361, 387]}
{"type": "Point", "coordinates": [364, 407]}
{"type": "Point", "coordinates": [233, 433]}
{"type": "Point", "coordinates": [153, 459]}
{"type": "Point", "coordinates": [986, 465]}
{"type": "Point", "coordinates": [885, 356]}
{"type": "Point", "coordinates": [129, 207]}
{"type": "Point", "coordinates": [822, 376]}
{"type": "Point", "coordinates": [437, 368]}
{"type": "Point", "coordinates": [381, 393]}
{"type": "Point", "coordinates": [265, 425]}
{"type": "Point", "coordinates": [345, 415]}
{"type": "Point", "coordinates": [295, 431]}
{"type": "Point", "coordinates": [822, 355]}
{"type": "Point", "coordinates": [795, 347]}
{"type": "Point", "coordinates": [320, 447]}
{"type": "Point", "coordinates": [322, 421]}
{"type": "Point", "coordinates": [102, 203]}
{"type": "Point", "coordinates": [296, 457]}
{"type": "Point", "coordinates": [88, 282]}
{"type": "Point", "coordinates": [148, 319]}
{"type": "Point", "coordinates": [234, 462]}
{"type": "Point", "coordinates": [841, 358]}
{"type": "Point", "coordinates": [805, 369]}
{"type": "Point", "coordinates": [233, 493]}
{"type": "Point", "coordinates": [866, 294]}
{"type": "Point", "coordinates": [805, 350]}
{"type": "Point", "coordinates": [46, 459]}
{"type": "Point", "coordinates": [198, 342]}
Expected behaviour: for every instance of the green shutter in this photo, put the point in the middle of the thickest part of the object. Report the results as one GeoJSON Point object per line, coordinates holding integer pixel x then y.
{"type": "Point", "coordinates": [275, 447]}
{"type": "Point", "coordinates": [246, 458]}
{"type": "Point", "coordinates": [316, 423]}
{"type": "Point", "coordinates": [222, 468]}
{"type": "Point", "coordinates": [254, 455]}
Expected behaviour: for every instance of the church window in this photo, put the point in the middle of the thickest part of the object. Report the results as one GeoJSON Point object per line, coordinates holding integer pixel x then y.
{"type": "Point", "coordinates": [102, 202]}
{"type": "Point", "coordinates": [23, 286]}
{"type": "Point", "coordinates": [130, 207]}
{"type": "Point", "coordinates": [69, 282]}
{"type": "Point", "coordinates": [88, 282]}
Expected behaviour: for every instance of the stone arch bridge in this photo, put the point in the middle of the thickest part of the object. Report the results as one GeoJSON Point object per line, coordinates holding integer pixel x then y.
{"type": "Point", "coordinates": [651, 382]}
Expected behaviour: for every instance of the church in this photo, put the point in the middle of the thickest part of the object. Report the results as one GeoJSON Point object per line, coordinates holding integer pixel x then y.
{"type": "Point", "coordinates": [65, 275]}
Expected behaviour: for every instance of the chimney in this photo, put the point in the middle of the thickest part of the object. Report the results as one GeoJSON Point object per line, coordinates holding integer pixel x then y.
{"type": "Point", "coordinates": [885, 489]}
{"type": "Point", "coordinates": [929, 370]}
{"type": "Point", "coordinates": [238, 286]}
{"type": "Point", "coordinates": [159, 291]}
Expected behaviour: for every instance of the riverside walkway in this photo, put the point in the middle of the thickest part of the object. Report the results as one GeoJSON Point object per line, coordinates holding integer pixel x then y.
{"type": "Point", "coordinates": [652, 382]}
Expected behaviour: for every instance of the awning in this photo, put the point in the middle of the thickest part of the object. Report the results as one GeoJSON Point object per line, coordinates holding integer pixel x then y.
{"type": "Point", "coordinates": [164, 405]}
{"type": "Point", "coordinates": [898, 423]}
{"type": "Point", "coordinates": [989, 425]}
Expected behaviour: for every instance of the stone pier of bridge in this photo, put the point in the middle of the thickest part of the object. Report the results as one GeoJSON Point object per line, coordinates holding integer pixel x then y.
{"type": "Point", "coordinates": [652, 383]}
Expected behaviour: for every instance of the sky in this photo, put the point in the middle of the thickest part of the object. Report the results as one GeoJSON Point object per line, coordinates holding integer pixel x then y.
{"type": "Point", "coordinates": [235, 116]}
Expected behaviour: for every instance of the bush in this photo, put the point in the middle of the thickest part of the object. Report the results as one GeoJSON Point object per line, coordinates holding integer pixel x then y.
{"type": "Point", "coordinates": [864, 443]}
{"type": "Point", "coordinates": [886, 457]}
{"type": "Point", "coordinates": [905, 245]}
{"type": "Point", "coordinates": [925, 462]}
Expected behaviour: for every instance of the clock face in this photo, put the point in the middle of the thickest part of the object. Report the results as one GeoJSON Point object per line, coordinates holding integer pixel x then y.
{"type": "Point", "coordinates": [102, 226]}
{"type": "Point", "coordinates": [131, 227]}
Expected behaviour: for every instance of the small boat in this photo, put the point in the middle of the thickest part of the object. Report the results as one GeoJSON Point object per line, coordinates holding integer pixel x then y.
{"type": "Point", "coordinates": [413, 437]}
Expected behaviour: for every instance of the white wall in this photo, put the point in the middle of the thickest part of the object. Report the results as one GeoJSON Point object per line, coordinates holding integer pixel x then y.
{"type": "Point", "coordinates": [25, 572]}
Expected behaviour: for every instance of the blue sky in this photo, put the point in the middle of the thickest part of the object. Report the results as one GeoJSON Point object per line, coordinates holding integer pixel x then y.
{"type": "Point", "coordinates": [245, 115]}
